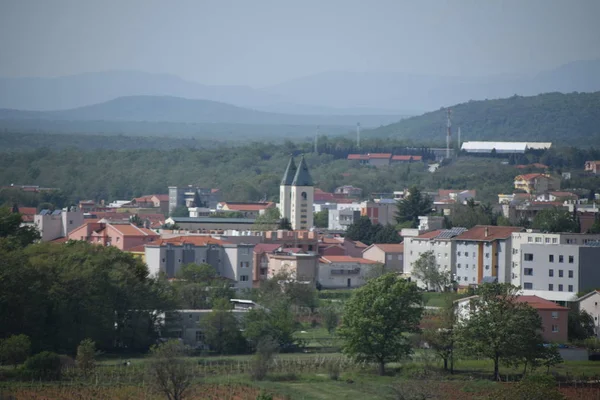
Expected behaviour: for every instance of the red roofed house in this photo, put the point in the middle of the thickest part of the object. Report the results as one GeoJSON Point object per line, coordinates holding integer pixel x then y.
{"type": "Point", "coordinates": [592, 166]}
{"type": "Point", "coordinates": [343, 271]}
{"type": "Point", "coordinates": [374, 159]}
{"type": "Point", "coordinates": [390, 255]}
{"type": "Point", "coordinates": [152, 201]}
{"type": "Point", "coordinates": [537, 183]}
{"type": "Point", "coordinates": [121, 235]}
{"type": "Point", "coordinates": [273, 259]}
{"type": "Point", "coordinates": [554, 317]}
{"type": "Point", "coordinates": [27, 214]}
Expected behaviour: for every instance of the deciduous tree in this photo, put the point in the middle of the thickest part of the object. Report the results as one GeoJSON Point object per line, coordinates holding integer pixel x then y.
{"type": "Point", "coordinates": [221, 329]}
{"type": "Point", "coordinates": [171, 373]}
{"type": "Point", "coordinates": [14, 349]}
{"type": "Point", "coordinates": [377, 318]}
{"type": "Point", "coordinates": [426, 269]}
{"type": "Point", "coordinates": [415, 204]}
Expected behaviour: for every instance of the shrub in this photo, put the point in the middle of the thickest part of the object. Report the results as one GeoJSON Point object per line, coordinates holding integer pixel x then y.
{"type": "Point", "coordinates": [86, 353]}
{"type": "Point", "coordinates": [264, 396]}
{"type": "Point", "coordinates": [532, 387]}
{"type": "Point", "coordinates": [14, 349]}
{"type": "Point", "coordinates": [45, 365]}
{"type": "Point", "coordinates": [265, 350]}
{"type": "Point", "coordinates": [333, 369]}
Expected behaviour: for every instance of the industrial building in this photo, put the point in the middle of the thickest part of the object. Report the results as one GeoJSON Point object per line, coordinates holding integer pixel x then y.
{"type": "Point", "coordinates": [504, 147]}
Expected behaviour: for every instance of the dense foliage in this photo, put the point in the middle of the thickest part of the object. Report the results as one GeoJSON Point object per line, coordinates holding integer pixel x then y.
{"type": "Point", "coordinates": [571, 118]}
{"type": "Point", "coordinates": [363, 230]}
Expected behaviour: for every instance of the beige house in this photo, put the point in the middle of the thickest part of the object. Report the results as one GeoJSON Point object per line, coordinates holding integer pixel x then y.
{"type": "Point", "coordinates": [301, 265]}
{"type": "Point", "coordinates": [337, 272]}
{"type": "Point", "coordinates": [537, 183]}
{"type": "Point", "coordinates": [390, 255]}
{"type": "Point", "coordinates": [591, 304]}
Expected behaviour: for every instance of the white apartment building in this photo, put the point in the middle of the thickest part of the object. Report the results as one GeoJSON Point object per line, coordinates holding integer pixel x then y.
{"type": "Point", "coordinates": [58, 223]}
{"type": "Point", "coordinates": [483, 253]}
{"type": "Point", "coordinates": [590, 303]}
{"type": "Point", "coordinates": [440, 242]}
{"type": "Point", "coordinates": [232, 261]}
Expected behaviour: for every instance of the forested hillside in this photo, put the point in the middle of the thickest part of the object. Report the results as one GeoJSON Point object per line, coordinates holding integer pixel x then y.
{"type": "Point", "coordinates": [253, 171]}
{"type": "Point", "coordinates": [572, 119]}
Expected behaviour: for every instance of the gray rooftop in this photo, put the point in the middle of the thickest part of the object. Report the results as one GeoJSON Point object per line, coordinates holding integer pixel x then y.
{"type": "Point", "coordinates": [302, 177]}
{"type": "Point", "coordinates": [450, 233]}
{"type": "Point", "coordinates": [290, 172]}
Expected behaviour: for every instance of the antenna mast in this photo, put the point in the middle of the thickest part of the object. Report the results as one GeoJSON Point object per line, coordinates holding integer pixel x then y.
{"type": "Point", "coordinates": [358, 135]}
{"type": "Point", "coordinates": [449, 126]}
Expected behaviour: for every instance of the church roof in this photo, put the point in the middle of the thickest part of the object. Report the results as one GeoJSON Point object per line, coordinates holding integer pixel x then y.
{"type": "Point", "coordinates": [290, 171]}
{"type": "Point", "coordinates": [302, 177]}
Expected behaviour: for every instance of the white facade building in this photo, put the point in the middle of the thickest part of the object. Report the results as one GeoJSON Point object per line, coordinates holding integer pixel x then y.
{"type": "Point", "coordinates": [336, 272]}
{"type": "Point", "coordinates": [590, 303]}
{"type": "Point", "coordinates": [59, 223]}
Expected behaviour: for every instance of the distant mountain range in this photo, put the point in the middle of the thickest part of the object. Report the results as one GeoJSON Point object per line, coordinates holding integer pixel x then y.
{"type": "Point", "coordinates": [329, 93]}
{"type": "Point", "coordinates": [567, 119]}
{"type": "Point", "coordinates": [179, 110]}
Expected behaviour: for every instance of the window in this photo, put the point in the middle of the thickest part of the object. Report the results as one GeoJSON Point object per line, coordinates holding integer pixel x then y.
{"type": "Point", "coordinates": [389, 257]}
{"type": "Point", "coordinates": [528, 271]}
{"type": "Point", "coordinates": [487, 255]}
{"type": "Point", "coordinates": [304, 196]}
{"type": "Point", "coordinates": [118, 239]}
{"type": "Point", "coordinates": [458, 253]}
{"type": "Point", "coordinates": [561, 259]}
{"type": "Point", "coordinates": [538, 240]}
{"type": "Point", "coordinates": [70, 222]}
{"type": "Point", "coordinates": [529, 240]}
{"type": "Point", "coordinates": [570, 273]}
{"type": "Point", "coordinates": [473, 279]}
{"type": "Point", "coordinates": [570, 288]}
{"type": "Point", "coordinates": [458, 265]}
{"type": "Point", "coordinates": [458, 278]}
{"type": "Point", "coordinates": [571, 259]}
{"type": "Point", "coordinates": [551, 258]}
{"type": "Point", "coordinates": [244, 278]}
{"type": "Point", "coordinates": [527, 285]}
{"type": "Point", "coordinates": [487, 267]}
{"type": "Point", "coordinates": [466, 254]}
{"type": "Point", "coordinates": [199, 336]}
{"type": "Point", "coordinates": [547, 240]}
{"type": "Point", "coordinates": [554, 240]}
{"type": "Point", "coordinates": [550, 272]}
{"type": "Point", "coordinates": [554, 328]}
{"type": "Point", "coordinates": [244, 264]}
{"type": "Point", "coordinates": [560, 287]}
{"type": "Point", "coordinates": [528, 257]}
{"type": "Point", "coordinates": [560, 273]}
{"type": "Point", "coordinates": [550, 287]}
{"type": "Point", "coordinates": [411, 252]}
{"type": "Point", "coordinates": [554, 314]}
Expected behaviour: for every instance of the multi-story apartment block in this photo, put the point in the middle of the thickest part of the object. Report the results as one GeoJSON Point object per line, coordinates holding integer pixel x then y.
{"type": "Point", "coordinates": [439, 242]}
{"type": "Point", "coordinates": [340, 220]}
{"type": "Point", "coordinates": [185, 196]}
{"type": "Point", "coordinates": [484, 253]}
{"type": "Point", "coordinates": [232, 261]}
{"type": "Point", "coordinates": [58, 223]}
{"type": "Point", "coordinates": [590, 303]}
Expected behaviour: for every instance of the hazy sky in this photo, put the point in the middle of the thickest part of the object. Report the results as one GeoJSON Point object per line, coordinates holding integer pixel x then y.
{"type": "Point", "coordinates": [259, 43]}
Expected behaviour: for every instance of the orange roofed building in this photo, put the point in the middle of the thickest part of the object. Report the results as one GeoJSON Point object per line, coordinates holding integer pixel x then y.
{"type": "Point", "coordinates": [337, 272]}
{"type": "Point", "coordinates": [537, 183]}
{"type": "Point", "coordinates": [121, 235]}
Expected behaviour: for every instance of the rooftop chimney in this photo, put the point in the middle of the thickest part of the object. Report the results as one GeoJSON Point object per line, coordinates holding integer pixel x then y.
{"type": "Point", "coordinates": [486, 231]}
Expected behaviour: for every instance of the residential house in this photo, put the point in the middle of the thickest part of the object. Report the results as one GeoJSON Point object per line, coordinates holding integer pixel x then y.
{"type": "Point", "coordinates": [302, 266]}
{"type": "Point", "coordinates": [554, 317]}
{"type": "Point", "coordinates": [440, 242]}
{"type": "Point", "coordinates": [590, 303]}
{"type": "Point", "coordinates": [484, 252]}
{"type": "Point", "coordinates": [382, 212]}
{"type": "Point", "coordinates": [372, 159]}
{"type": "Point", "coordinates": [248, 209]}
{"type": "Point", "coordinates": [348, 191]}
{"type": "Point", "coordinates": [123, 235]}
{"type": "Point", "coordinates": [27, 214]}
{"type": "Point", "coordinates": [336, 272]}
{"type": "Point", "coordinates": [592, 167]}
{"type": "Point", "coordinates": [211, 224]}
{"type": "Point", "coordinates": [58, 223]}
{"type": "Point", "coordinates": [160, 201]}
{"type": "Point", "coordinates": [341, 219]}
{"type": "Point", "coordinates": [557, 197]}
{"type": "Point", "coordinates": [390, 255]}
{"type": "Point", "coordinates": [537, 183]}
{"type": "Point", "coordinates": [232, 261]}
{"type": "Point", "coordinates": [186, 195]}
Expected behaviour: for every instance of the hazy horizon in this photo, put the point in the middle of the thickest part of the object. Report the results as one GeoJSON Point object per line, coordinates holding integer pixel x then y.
{"type": "Point", "coordinates": [264, 43]}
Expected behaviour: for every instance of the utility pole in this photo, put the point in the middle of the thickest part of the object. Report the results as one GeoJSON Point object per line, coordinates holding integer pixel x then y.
{"type": "Point", "coordinates": [358, 135]}
{"type": "Point", "coordinates": [317, 140]}
{"type": "Point", "coordinates": [449, 126]}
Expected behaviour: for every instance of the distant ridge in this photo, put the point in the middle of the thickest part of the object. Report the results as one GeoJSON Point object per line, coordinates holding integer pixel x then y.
{"type": "Point", "coordinates": [572, 118]}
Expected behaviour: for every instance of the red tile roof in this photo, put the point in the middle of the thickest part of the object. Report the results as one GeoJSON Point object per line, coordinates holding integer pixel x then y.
{"type": "Point", "coordinates": [162, 197]}
{"type": "Point", "coordinates": [529, 177]}
{"type": "Point", "coordinates": [358, 156]}
{"type": "Point", "coordinates": [27, 211]}
{"type": "Point", "coordinates": [137, 249]}
{"type": "Point", "coordinates": [345, 259]}
{"type": "Point", "coordinates": [564, 194]}
{"type": "Point", "coordinates": [391, 248]}
{"type": "Point", "coordinates": [380, 155]}
{"type": "Point", "coordinates": [266, 248]}
{"type": "Point", "coordinates": [540, 304]}
{"type": "Point", "coordinates": [132, 230]}
{"type": "Point", "coordinates": [247, 206]}
{"type": "Point", "coordinates": [429, 235]}
{"type": "Point", "coordinates": [407, 158]}
{"type": "Point", "coordinates": [493, 232]}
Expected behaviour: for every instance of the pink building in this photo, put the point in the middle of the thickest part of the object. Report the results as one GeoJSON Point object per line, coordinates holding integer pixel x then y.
{"type": "Point", "coordinates": [124, 236]}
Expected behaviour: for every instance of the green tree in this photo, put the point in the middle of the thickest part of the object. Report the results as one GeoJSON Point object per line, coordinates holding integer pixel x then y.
{"type": "Point", "coordinates": [171, 373]}
{"type": "Point", "coordinates": [221, 329]}
{"type": "Point", "coordinates": [284, 224]}
{"type": "Point", "coordinates": [467, 216]}
{"type": "Point", "coordinates": [276, 322]}
{"type": "Point", "coordinates": [86, 356]}
{"type": "Point", "coordinates": [426, 269]}
{"type": "Point", "coordinates": [267, 221]}
{"type": "Point", "coordinates": [11, 231]}
{"type": "Point", "coordinates": [387, 234]}
{"type": "Point", "coordinates": [45, 365]}
{"type": "Point", "coordinates": [377, 318]}
{"type": "Point", "coordinates": [581, 325]}
{"type": "Point", "coordinates": [362, 230]}
{"type": "Point", "coordinates": [440, 336]}
{"type": "Point", "coordinates": [555, 220]}
{"type": "Point", "coordinates": [14, 349]}
{"type": "Point", "coordinates": [415, 204]}
{"type": "Point", "coordinates": [180, 211]}
{"type": "Point", "coordinates": [500, 328]}
{"type": "Point", "coordinates": [321, 218]}
{"type": "Point", "coordinates": [331, 318]}
{"type": "Point", "coordinates": [198, 286]}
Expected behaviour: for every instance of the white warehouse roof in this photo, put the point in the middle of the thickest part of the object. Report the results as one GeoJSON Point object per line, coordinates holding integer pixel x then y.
{"type": "Point", "coordinates": [502, 147]}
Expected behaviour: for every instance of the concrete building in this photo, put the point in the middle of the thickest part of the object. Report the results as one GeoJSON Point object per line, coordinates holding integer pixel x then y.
{"type": "Point", "coordinates": [592, 167]}
{"type": "Point", "coordinates": [382, 212]}
{"type": "Point", "coordinates": [232, 261]}
{"type": "Point", "coordinates": [272, 259]}
{"type": "Point", "coordinates": [300, 193]}
{"type": "Point", "coordinates": [503, 147]}
{"type": "Point", "coordinates": [248, 209]}
{"type": "Point", "coordinates": [484, 252]}
{"type": "Point", "coordinates": [554, 317]}
{"type": "Point", "coordinates": [210, 224]}
{"type": "Point", "coordinates": [348, 191]}
{"type": "Point", "coordinates": [440, 242]}
{"type": "Point", "coordinates": [390, 255]}
{"type": "Point", "coordinates": [590, 303]}
{"type": "Point", "coordinates": [340, 220]}
{"type": "Point", "coordinates": [537, 183]}
{"type": "Point", "coordinates": [185, 195]}
{"type": "Point", "coordinates": [336, 272]}
{"type": "Point", "coordinates": [58, 223]}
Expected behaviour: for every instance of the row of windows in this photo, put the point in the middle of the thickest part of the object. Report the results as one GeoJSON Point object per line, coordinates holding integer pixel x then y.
{"type": "Point", "coordinates": [561, 259]}
{"type": "Point", "coordinates": [529, 285]}
{"type": "Point", "coordinates": [466, 279]}
{"type": "Point", "coordinates": [538, 239]}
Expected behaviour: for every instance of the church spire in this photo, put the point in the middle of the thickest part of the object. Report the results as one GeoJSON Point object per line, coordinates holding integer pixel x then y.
{"type": "Point", "coordinates": [290, 171]}
{"type": "Point", "coordinates": [302, 177]}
